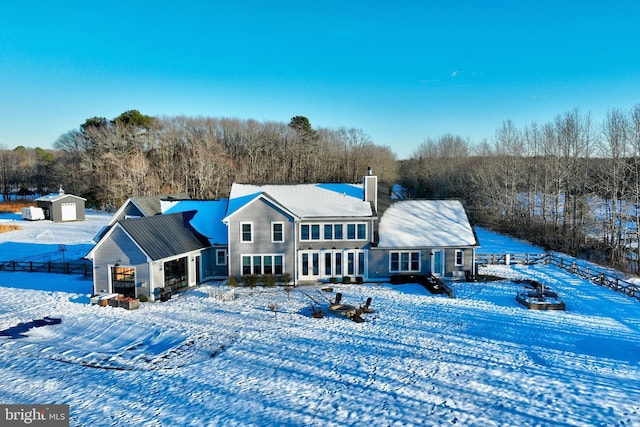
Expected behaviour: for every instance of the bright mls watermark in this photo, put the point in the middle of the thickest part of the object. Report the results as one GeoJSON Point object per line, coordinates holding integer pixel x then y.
{"type": "Point", "coordinates": [34, 415]}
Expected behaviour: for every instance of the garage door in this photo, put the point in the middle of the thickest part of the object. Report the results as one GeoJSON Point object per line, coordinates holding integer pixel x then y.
{"type": "Point", "coordinates": [68, 211]}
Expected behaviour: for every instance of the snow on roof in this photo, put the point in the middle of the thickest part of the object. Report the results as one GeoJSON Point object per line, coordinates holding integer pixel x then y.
{"type": "Point", "coordinates": [425, 223]}
{"type": "Point", "coordinates": [52, 197]}
{"type": "Point", "coordinates": [307, 200]}
{"type": "Point", "coordinates": [208, 219]}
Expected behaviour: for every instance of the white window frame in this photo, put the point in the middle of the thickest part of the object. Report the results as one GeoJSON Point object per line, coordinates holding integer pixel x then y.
{"type": "Point", "coordinates": [409, 269]}
{"type": "Point", "coordinates": [360, 231]}
{"type": "Point", "coordinates": [273, 232]}
{"type": "Point", "coordinates": [224, 256]}
{"type": "Point", "coordinates": [262, 263]}
{"type": "Point", "coordinates": [250, 224]}
{"type": "Point", "coordinates": [460, 253]}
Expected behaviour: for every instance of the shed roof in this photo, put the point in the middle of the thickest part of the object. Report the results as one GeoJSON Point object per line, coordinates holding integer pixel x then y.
{"type": "Point", "coordinates": [163, 236]}
{"type": "Point", "coordinates": [425, 223]}
{"type": "Point", "coordinates": [53, 197]}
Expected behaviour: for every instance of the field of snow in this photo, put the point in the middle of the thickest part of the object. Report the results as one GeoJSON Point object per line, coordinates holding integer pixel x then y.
{"type": "Point", "coordinates": [479, 359]}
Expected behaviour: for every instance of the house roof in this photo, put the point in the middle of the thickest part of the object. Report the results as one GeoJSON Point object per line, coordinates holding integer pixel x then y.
{"type": "Point", "coordinates": [306, 200]}
{"type": "Point", "coordinates": [163, 236]}
{"type": "Point", "coordinates": [425, 223]}
{"type": "Point", "coordinates": [152, 205]}
{"type": "Point", "coordinates": [207, 219]}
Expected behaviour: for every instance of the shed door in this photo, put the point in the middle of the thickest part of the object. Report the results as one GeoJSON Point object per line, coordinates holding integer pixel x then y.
{"type": "Point", "coordinates": [68, 211]}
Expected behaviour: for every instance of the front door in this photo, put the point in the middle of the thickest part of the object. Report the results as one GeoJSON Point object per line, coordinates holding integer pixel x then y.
{"type": "Point", "coordinates": [437, 264]}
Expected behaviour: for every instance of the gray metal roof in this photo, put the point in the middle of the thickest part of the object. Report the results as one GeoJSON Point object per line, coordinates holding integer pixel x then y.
{"type": "Point", "coordinates": [150, 205]}
{"type": "Point", "coordinates": [164, 236]}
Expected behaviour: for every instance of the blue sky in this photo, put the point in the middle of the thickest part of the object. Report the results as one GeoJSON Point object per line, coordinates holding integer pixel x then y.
{"type": "Point", "coordinates": [401, 71]}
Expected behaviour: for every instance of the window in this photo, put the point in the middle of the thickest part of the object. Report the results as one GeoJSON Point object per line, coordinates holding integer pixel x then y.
{"type": "Point", "coordinates": [328, 257]}
{"type": "Point", "coordinates": [304, 232]}
{"type": "Point", "coordinates": [246, 265]}
{"type": "Point", "coordinates": [351, 231]}
{"type": "Point", "coordinates": [277, 262]}
{"type": "Point", "coordinates": [175, 273]}
{"type": "Point", "coordinates": [350, 263]}
{"type": "Point", "coordinates": [123, 280]}
{"type": "Point", "coordinates": [257, 264]}
{"type": "Point", "coordinates": [404, 261]}
{"type": "Point", "coordinates": [361, 261]}
{"type": "Point", "coordinates": [246, 234]}
{"type": "Point", "coordinates": [362, 231]}
{"type": "Point", "coordinates": [315, 231]}
{"type": "Point", "coordinates": [459, 257]}
{"type": "Point", "coordinates": [328, 232]}
{"type": "Point", "coordinates": [310, 232]}
{"type": "Point", "coordinates": [221, 257]}
{"type": "Point", "coordinates": [262, 264]}
{"type": "Point", "coordinates": [305, 264]}
{"type": "Point", "coordinates": [277, 232]}
{"type": "Point", "coordinates": [337, 232]}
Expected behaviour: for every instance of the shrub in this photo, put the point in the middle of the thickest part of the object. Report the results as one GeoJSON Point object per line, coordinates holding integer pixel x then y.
{"type": "Point", "coordinates": [232, 281]}
{"type": "Point", "coordinates": [143, 298]}
{"type": "Point", "coordinates": [285, 278]}
{"type": "Point", "coordinates": [359, 280]}
{"type": "Point", "coordinates": [5, 228]}
{"type": "Point", "coordinates": [14, 206]}
{"type": "Point", "coordinates": [269, 280]}
{"type": "Point", "coordinates": [346, 279]}
{"type": "Point", "coordinates": [250, 280]}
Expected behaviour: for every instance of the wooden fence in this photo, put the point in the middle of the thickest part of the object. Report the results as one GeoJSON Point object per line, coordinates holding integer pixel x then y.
{"type": "Point", "coordinates": [594, 275]}
{"type": "Point", "coordinates": [77, 267]}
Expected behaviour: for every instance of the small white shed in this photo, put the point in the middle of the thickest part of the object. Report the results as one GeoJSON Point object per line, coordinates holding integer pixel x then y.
{"type": "Point", "coordinates": [60, 206]}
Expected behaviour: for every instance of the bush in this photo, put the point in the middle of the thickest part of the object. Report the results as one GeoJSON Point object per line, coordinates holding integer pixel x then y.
{"type": "Point", "coordinates": [333, 280]}
{"type": "Point", "coordinates": [232, 281]}
{"type": "Point", "coordinates": [143, 298]}
{"type": "Point", "coordinates": [359, 280]}
{"type": "Point", "coordinates": [250, 280]}
{"type": "Point", "coordinates": [269, 280]}
{"type": "Point", "coordinates": [285, 278]}
{"type": "Point", "coordinates": [346, 279]}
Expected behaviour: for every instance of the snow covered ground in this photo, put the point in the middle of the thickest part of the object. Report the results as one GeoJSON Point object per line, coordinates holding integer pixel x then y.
{"type": "Point", "coordinates": [479, 359]}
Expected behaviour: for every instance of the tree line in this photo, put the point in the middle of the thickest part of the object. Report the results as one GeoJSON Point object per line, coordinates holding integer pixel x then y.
{"type": "Point", "coordinates": [571, 184]}
{"type": "Point", "coordinates": [108, 161]}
